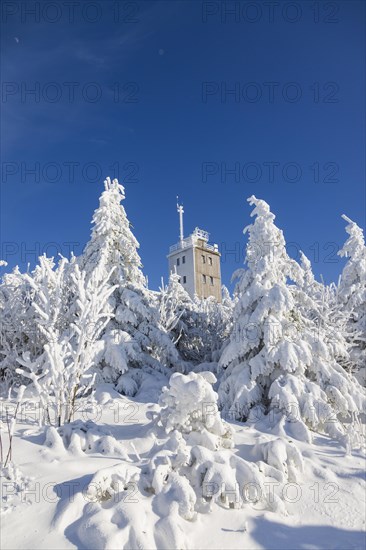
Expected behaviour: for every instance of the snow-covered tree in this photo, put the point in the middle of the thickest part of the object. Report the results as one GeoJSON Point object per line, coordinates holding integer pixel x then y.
{"type": "Point", "coordinates": [189, 405]}
{"type": "Point", "coordinates": [216, 320]}
{"type": "Point", "coordinates": [227, 303]}
{"type": "Point", "coordinates": [63, 372]}
{"type": "Point", "coordinates": [318, 303]}
{"type": "Point", "coordinates": [352, 296]}
{"type": "Point", "coordinates": [174, 302]}
{"type": "Point", "coordinates": [134, 338]}
{"type": "Point", "coordinates": [181, 318]}
{"type": "Point", "coordinates": [198, 327]}
{"type": "Point", "coordinates": [112, 243]}
{"type": "Point", "coordinates": [18, 329]}
{"type": "Point", "coordinates": [278, 360]}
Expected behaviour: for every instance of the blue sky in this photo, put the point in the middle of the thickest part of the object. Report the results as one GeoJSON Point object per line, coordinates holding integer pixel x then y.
{"type": "Point", "coordinates": [172, 97]}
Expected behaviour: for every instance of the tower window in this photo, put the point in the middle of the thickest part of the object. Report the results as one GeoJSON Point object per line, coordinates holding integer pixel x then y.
{"type": "Point", "coordinates": [210, 260]}
{"type": "Point", "coordinates": [177, 261]}
{"type": "Point", "coordinates": [183, 259]}
{"type": "Point", "coordinates": [184, 277]}
{"type": "Point", "coordinates": [204, 279]}
{"type": "Point", "coordinates": [211, 281]}
{"type": "Point", "coordinates": [203, 258]}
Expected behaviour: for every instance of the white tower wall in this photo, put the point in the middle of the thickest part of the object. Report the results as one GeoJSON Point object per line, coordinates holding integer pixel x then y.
{"type": "Point", "coordinates": [185, 268]}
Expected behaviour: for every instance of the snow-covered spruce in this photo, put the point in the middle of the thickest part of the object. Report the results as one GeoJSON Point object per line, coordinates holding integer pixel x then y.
{"type": "Point", "coordinates": [197, 327]}
{"type": "Point", "coordinates": [134, 338]}
{"type": "Point", "coordinates": [277, 359]}
{"type": "Point", "coordinates": [178, 316]}
{"type": "Point", "coordinates": [352, 297]}
{"type": "Point", "coordinates": [214, 326]}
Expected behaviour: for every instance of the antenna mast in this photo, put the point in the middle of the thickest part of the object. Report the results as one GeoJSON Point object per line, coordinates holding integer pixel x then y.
{"type": "Point", "coordinates": [180, 212]}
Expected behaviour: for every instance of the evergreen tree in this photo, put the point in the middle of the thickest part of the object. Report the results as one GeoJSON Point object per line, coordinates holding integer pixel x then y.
{"type": "Point", "coordinates": [277, 359]}
{"type": "Point", "coordinates": [352, 296]}
{"type": "Point", "coordinates": [179, 316]}
{"type": "Point", "coordinates": [134, 338]}
{"type": "Point", "coordinates": [112, 243]}
{"type": "Point", "coordinates": [317, 302]}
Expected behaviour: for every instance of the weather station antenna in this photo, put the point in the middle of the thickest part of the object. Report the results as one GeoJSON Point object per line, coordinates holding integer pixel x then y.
{"type": "Point", "coordinates": [180, 212]}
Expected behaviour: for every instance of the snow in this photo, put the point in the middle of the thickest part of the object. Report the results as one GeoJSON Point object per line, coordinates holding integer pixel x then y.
{"type": "Point", "coordinates": [93, 500]}
{"type": "Point", "coordinates": [138, 419]}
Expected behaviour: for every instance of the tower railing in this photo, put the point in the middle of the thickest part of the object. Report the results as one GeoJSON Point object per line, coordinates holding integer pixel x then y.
{"type": "Point", "coordinates": [192, 241]}
{"type": "Point", "coordinates": [200, 233]}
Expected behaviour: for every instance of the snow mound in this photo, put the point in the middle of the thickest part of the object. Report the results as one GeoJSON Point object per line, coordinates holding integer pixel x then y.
{"type": "Point", "coordinates": [84, 437]}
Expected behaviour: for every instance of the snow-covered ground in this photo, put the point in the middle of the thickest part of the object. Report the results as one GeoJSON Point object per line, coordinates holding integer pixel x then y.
{"type": "Point", "coordinates": [66, 497]}
{"type": "Point", "coordinates": [163, 468]}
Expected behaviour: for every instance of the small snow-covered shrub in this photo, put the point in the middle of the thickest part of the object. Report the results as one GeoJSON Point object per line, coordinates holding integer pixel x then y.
{"type": "Point", "coordinates": [189, 405]}
{"type": "Point", "coordinates": [114, 513]}
{"type": "Point", "coordinates": [84, 437]}
{"type": "Point", "coordinates": [177, 494]}
{"type": "Point", "coordinates": [109, 482]}
{"type": "Point", "coordinates": [282, 455]}
{"type": "Point", "coordinates": [225, 478]}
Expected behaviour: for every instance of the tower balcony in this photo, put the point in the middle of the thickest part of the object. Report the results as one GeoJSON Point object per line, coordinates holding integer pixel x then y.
{"type": "Point", "coordinates": [199, 237]}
